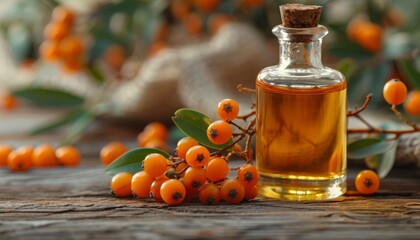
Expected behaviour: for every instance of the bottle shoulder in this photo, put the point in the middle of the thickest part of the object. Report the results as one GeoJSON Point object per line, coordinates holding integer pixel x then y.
{"type": "Point", "coordinates": [300, 77]}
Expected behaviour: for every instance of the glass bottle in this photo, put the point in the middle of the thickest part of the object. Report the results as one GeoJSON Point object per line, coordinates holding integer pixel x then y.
{"type": "Point", "coordinates": [301, 121]}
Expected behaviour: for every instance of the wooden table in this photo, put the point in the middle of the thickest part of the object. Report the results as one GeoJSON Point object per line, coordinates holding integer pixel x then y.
{"type": "Point", "coordinates": [76, 203]}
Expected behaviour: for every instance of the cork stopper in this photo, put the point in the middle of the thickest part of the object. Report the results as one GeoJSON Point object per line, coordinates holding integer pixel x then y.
{"type": "Point", "coordinates": [300, 16]}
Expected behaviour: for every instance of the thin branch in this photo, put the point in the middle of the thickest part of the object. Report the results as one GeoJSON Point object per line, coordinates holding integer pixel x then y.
{"type": "Point", "coordinates": [403, 119]}
{"type": "Point", "coordinates": [364, 106]}
{"type": "Point", "coordinates": [244, 89]}
{"type": "Point", "coordinates": [246, 116]}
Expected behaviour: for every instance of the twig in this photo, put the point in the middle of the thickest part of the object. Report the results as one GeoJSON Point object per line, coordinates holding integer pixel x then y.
{"type": "Point", "coordinates": [403, 119]}
{"type": "Point", "coordinates": [244, 89]}
{"type": "Point", "coordinates": [364, 106]}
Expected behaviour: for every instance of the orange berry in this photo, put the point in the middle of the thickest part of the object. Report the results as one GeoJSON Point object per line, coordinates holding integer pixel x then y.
{"type": "Point", "coordinates": [63, 15]}
{"type": "Point", "coordinates": [219, 132]}
{"type": "Point", "coordinates": [395, 92]}
{"type": "Point", "coordinates": [248, 175]}
{"type": "Point", "coordinates": [156, 143]}
{"type": "Point", "coordinates": [367, 34]}
{"type": "Point", "coordinates": [155, 165]}
{"type": "Point", "coordinates": [412, 104]}
{"type": "Point", "coordinates": [197, 156]}
{"type": "Point", "coordinates": [115, 57]}
{"type": "Point", "coordinates": [184, 145]}
{"type": "Point", "coordinates": [217, 21]}
{"type": "Point", "coordinates": [71, 48]}
{"type": "Point", "coordinates": [112, 151]}
{"type": "Point", "coordinates": [154, 130]}
{"type": "Point", "coordinates": [71, 66]}
{"type": "Point", "coordinates": [367, 182]}
{"type": "Point", "coordinates": [172, 192]}
{"type": "Point", "coordinates": [157, 47]}
{"type": "Point", "coordinates": [193, 24]}
{"type": "Point", "coordinates": [140, 184]}
{"type": "Point", "coordinates": [180, 167]}
{"type": "Point", "coordinates": [121, 184]}
{"type": "Point", "coordinates": [232, 191]}
{"type": "Point", "coordinates": [194, 178]}
{"type": "Point", "coordinates": [68, 156]}
{"type": "Point", "coordinates": [207, 5]}
{"type": "Point", "coordinates": [228, 109]}
{"type": "Point", "coordinates": [179, 9]}
{"type": "Point", "coordinates": [18, 161]}
{"type": "Point", "coordinates": [44, 156]}
{"type": "Point", "coordinates": [251, 192]}
{"type": "Point", "coordinates": [5, 150]}
{"type": "Point", "coordinates": [155, 188]}
{"type": "Point", "coordinates": [56, 31]}
{"type": "Point", "coordinates": [26, 152]}
{"type": "Point", "coordinates": [209, 194]}
{"type": "Point", "coordinates": [50, 51]}
{"type": "Point", "coordinates": [9, 102]}
{"type": "Point", "coordinates": [252, 3]}
{"type": "Point", "coordinates": [217, 169]}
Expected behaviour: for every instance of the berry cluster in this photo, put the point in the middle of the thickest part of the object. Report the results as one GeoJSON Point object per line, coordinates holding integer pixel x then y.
{"type": "Point", "coordinates": [60, 44]}
{"type": "Point", "coordinates": [395, 93]}
{"type": "Point", "coordinates": [194, 172]}
{"type": "Point", "coordinates": [26, 157]}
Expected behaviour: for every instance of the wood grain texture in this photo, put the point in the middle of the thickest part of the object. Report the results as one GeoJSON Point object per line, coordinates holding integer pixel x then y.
{"type": "Point", "coordinates": [76, 203]}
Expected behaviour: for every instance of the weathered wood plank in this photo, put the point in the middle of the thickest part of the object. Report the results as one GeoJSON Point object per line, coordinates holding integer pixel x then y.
{"type": "Point", "coordinates": [76, 203]}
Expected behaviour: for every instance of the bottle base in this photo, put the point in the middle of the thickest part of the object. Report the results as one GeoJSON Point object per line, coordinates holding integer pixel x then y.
{"type": "Point", "coordinates": [306, 189]}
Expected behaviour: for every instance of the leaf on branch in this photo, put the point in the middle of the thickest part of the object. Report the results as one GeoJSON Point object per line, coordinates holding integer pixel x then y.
{"type": "Point", "coordinates": [49, 97]}
{"type": "Point", "coordinates": [346, 67]}
{"type": "Point", "coordinates": [368, 147]}
{"type": "Point", "coordinates": [408, 69]}
{"type": "Point", "coordinates": [195, 124]}
{"type": "Point", "coordinates": [78, 127]}
{"type": "Point", "coordinates": [131, 161]}
{"type": "Point", "coordinates": [67, 119]}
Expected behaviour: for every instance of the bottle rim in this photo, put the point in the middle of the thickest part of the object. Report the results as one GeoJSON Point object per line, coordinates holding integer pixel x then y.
{"type": "Point", "coordinates": [291, 34]}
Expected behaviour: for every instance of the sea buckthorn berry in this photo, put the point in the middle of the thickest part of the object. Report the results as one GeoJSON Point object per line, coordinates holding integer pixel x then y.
{"type": "Point", "coordinates": [172, 192]}
{"type": "Point", "coordinates": [26, 152]}
{"type": "Point", "coordinates": [157, 143]}
{"type": "Point", "coordinates": [140, 184]}
{"type": "Point", "coordinates": [63, 15]}
{"type": "Point", "coordinates": [112, 151]}
{"type": "Point", "coordinates": [395, 92]}
{"type": "Point", "coordinates": [207, 5]}
{"type": "Point", "coordinates": [184, 145]}
{"type": "Point", "coordinates": [194, 178]}
{"type": "Point", "coordinates": [56, 31]}
{"type": "Point", "coordinates": [153, 130]}
{"type": "Point", "coordinates": [251, 192]}
{"type": "Point", "coordinates": [412, 104]}
{"type": "Point", "coordinates": [5, 150]}
{"type": "Point", "coordinates": [232, 191]}
{"type": "Point", "coordinates": [68, 156]}
{"type": "Point", "coordinates": [228, 109]}
{"type": "Point", "coordinates": [367, 182]}
{"type": "Point", "coordinates": [18, 162]}
{"type": "Point", "coordinates": [121, 184]}
{"type": "Point", "coordinates": [197, 156]}
{"type": "Point", "coordinates": [9, 102]}
{"type": "Point", "coordinates": [180, 167]}
{"type": "Point", "coordinates": [219, 132]}
{"type": "Point", "coordinates": [155, 188]}
{"type": "Point", "coordinates": [217, 21]}
{"type": "Point", "coordinates": [114, 57]}
{"type": "Point", "coordinates": [71, 48]}
{"type": "Point", "coordinates": [72, 66]}
{"type": "Point", "coordinates": [50, 51]}
{"type": "Point", "coordinates": [179, 9]}
{"type": "Point", "coordinates": [193, 24]}
{"type": "Point", "coordinates": [155, 165]}
{"type": "Point", "coordinates": [217, 169]}
{"type": "Point", "coordinates": [44, 156]}
{"type": "Point", "coordinates": [209, 194]}
{"type": "Point", "coordinates": [248, 175]}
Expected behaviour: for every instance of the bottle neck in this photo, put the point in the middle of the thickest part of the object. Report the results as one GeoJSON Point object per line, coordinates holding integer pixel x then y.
{"type": "Point", "coordinates": [300, 54]}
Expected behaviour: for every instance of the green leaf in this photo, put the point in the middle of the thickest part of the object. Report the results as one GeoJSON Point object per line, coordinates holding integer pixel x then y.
{"type": "Point", "coordinates": [346, 67]}
{"type": "Point", "coordinates": [195, 124]}
{"type": "Point", "coordinates": [408, 69]}
{"type": "Point", "coordinates": [49, 96]}
{"type": "Point", "coordinates": [387, 160]}
{"type": "Point", "coordinates": [67, 119]}
{"type": "Point", "coordinates": [96, 74]}
{"type": "Point", "coordinates": [79, 125]}
{"type": "Point", "coordinates": [368, 147]}
{"type": "Point", "coordinates": [131, 161]}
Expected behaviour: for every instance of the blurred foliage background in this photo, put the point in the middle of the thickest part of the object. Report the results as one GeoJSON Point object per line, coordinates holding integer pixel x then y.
{"type": "Point", "coordinates": [371, 41]}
